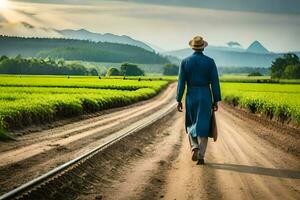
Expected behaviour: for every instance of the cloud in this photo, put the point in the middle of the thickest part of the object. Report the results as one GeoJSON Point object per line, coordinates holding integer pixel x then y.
{"type": "Point", "coordinates": [262, 6]}
{"type": "Point", "coordinates": [24, 29]}
{"type": "Point", "coordinates": [168, 24]}
{"type": "Point", "coordinates": [233, 44]}
{"type": "Point", "coordinates": [2, 19]}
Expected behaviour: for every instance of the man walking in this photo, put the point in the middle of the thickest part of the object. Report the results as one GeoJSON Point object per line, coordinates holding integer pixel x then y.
{"type": "Point", "coordinates": [199, 73]}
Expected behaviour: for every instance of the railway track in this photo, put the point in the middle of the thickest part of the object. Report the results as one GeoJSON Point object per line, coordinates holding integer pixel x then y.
{"type": "Point", "coordinates": [64, 176]}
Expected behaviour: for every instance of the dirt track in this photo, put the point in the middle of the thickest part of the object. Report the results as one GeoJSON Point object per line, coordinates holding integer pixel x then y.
{"type": "Point", "coordinates": [240, 165]}
{"type": "Point", "coordinates": [38, 152]}
{"type": "Point", "coordinates": [252, 159]}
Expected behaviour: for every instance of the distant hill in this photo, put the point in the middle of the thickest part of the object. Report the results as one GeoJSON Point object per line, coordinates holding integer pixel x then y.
{"type": "Point", "coordinates": [257, 47]}
{"type": "Point", "coordinates": [71, 49]}
{"type": "Point", "coordinates": [254, 56]}
{"type": "Point", "coordinates": [23, 29]}
{"type": "Point", "coordinates": [156, 48]}
{"type": "Point", "coordinates": [83, 34]}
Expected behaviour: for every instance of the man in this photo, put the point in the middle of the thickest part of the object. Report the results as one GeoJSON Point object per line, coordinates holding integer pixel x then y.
{"type": "Point", "coordinates": [199, 73]}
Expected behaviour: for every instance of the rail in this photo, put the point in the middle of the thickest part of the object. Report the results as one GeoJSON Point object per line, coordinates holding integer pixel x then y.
{"type": "Point", "coordinates": [26, 188]}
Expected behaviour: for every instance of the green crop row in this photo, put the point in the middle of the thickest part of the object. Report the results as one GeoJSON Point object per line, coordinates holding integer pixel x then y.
{"type": "Point", "coordinates": [272, 100]}
{"type": "Point", "coordinates": [23, 109]}
{"type": "Point", "coordinates": [79, 82]}
{"type": "Point", "coordinates": [255, 79]}
{"type": "Point", "coordinates": [36, 100]}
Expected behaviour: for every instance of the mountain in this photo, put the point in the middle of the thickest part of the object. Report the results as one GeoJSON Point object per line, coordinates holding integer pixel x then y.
{"type": "Point", "coordinates": [24, 29]}
{"type": "Point", "coordinates": [156, 48]}
{"type": "Point", "coordinates": [237, 57]}
{"type": "Point", "coordinates": [257, 47]}
{"type": "Point", "coordinates": [225, 48]}
{"type": "Point", "coordinates": [83, 34]}
{"type": "Point", "coordinates": [72, 49]}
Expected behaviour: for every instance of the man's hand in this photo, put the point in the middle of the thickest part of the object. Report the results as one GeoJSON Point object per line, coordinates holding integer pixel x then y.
{"type": "Point", "coordinates": [179, 107]}
{"type": "Point", "coordinates": [215, 106]}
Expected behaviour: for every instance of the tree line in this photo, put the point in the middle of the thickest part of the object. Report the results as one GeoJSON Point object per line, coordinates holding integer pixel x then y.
{"type": "Point", "coordinates": [39, 66]}
{"type": "Point", "coordinates": [71, 49]}
{"type": "Point", "coordinates": [129, 69]}
{"type": "Point", "coordinates": [126, 69]}
{"type": "Point", "coordinates": [244, 70]}
{"type": "Point", "coordinates": [286, 67]}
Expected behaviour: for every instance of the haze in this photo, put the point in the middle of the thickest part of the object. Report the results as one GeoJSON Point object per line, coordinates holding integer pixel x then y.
{"type": "Point", "coordinates": [167, 24]}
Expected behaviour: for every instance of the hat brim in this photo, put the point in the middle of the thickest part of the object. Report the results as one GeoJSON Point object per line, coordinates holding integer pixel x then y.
{"type": "Point", "coordinates": [205, 44]}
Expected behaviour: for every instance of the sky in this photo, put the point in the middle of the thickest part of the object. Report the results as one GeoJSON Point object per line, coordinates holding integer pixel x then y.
{"type": "Point", "coordinates": [168, 24]}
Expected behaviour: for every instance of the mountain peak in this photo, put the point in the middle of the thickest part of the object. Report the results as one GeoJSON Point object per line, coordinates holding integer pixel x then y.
{"type": "Point", "coordinates": [82, 30]}
{"type": "Point", "coordinates": [257, 47]}
{"type": "Point", "coordinates": [83, 34]}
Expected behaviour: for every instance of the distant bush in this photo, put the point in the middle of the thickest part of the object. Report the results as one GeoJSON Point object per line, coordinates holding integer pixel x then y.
{"type": "Point", "coordinates": [128, 69]}
{"type": "Point", "coordinates": [255, 74]}
{"type": "Point", "coordinates": [48, 66]}
{"type": "Point", "coordinates": [170, 70]}
{"type": "Point", "coordinates": [112, 71]}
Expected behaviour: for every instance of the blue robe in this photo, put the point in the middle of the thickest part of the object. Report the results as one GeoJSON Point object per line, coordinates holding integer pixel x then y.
{"type": "Point", "coordinates": [199, 73]}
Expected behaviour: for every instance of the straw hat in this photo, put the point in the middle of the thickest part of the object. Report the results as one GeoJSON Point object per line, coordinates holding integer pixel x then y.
{"type": "Point", "coordinates": [198, 43]}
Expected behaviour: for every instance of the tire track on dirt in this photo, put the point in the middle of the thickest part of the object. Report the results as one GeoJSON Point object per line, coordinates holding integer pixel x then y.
{"type": "Point", "coordinates": [133, 175]}
{"type": "Point", "coordinates": [64, 143]}
{"type": "Point", "coordinates": [240, 165]}
{"type": "Point", "coordinates": [254, 160]}
{"type": "Point", "coordinates": [62, 138]}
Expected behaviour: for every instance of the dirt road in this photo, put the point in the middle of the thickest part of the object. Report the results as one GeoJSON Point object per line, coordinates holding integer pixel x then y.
{"type": "Point", "coordinates": [240, 165]}
{"type": "Point", "coordinates": [252, 159]}
{"type": "Point", "coordinates": [36, 153]}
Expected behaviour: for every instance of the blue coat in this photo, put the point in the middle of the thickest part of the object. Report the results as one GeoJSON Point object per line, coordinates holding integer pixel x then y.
{"type": "Point", "coordinates": [199, 73]}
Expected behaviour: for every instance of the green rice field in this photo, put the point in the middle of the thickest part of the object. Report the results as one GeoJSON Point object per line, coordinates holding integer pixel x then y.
{"type": "Point", "coordinates": [27, 100]}
{"type": "Point", "coordinates": [255, 79]}
{"type": "Point", "coordinates": [273, 100]}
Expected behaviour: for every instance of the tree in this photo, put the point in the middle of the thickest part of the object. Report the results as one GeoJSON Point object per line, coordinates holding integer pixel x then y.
{"type": "Point", "coordinates": [93, 72]}
{"type": "Point", "coordinates": [19, 65]}
{"type": "Point", "coordinates": [279, 65]}
{"type": "Point", "coordinates": [291, 59]}
{"type": "Point", "coordinates": [112, 71]}
{"type": "Point", "coordinates": [3, 58]}
{"type": "Point", "coordinates": [78, 69]}
{"type": "Point", "coordinates": [170, 70]}
{"type": "Point", "coordinates": [103, 73]}
{"type": "Point", "coordinates": [61, 62]}
{"type": "Point", "coordinates": [128, 69]}
{"type": "Point", "coordinates": [292, 71]}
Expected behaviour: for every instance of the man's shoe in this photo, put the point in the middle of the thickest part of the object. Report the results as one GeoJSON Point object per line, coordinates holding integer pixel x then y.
{"type": "Point", "coordinates": [195, 154]}
{"type": "Point", "coordinates": [200, 161]}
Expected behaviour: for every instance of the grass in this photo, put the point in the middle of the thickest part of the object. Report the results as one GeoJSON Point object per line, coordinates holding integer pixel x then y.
{"type": "Point", "coordinates": [4, 135]}
{"type": "Point", "coordinates": [78, 82]}
{"type": "Point", "coordinates": [28, 100]}
{"type": "Point", "coordinates": [273, 100]}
